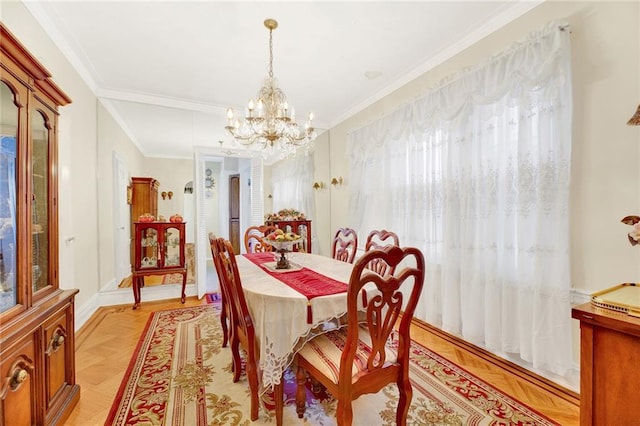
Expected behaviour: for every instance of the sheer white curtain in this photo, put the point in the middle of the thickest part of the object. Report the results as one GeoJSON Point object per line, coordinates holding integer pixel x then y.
{"type": "Point", "coordinates": [292, 182]}
{"type": "Point", "coordinates": [476, 174]}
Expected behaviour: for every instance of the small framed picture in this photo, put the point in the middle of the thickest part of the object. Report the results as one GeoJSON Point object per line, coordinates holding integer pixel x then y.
{"type": "Point", "coordinates": [129, 195]}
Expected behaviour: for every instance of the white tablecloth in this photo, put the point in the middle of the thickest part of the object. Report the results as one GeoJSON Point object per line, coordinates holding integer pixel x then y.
{"type": "Point", "coordinates": [279, 312]}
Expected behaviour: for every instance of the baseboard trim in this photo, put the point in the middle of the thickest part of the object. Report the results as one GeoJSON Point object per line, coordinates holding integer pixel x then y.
{"type": "Point", "coordinates": [528, 375]}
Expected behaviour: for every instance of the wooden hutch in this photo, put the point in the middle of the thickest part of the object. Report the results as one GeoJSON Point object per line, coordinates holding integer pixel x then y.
{"type": "Point", "coordinates": [143, 199]}
{"type": "Point", "coordinates": [37, 343]}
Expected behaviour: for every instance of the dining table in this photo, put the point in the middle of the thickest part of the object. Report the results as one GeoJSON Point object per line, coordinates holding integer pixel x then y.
{"type": "Point", "coordinates": [290, 306]}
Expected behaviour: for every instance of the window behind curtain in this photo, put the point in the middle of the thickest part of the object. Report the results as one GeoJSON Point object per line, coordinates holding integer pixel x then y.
{"type": "Point", "coordinates": [476, 174]}
{"type": "Point", "coordinates": [292, 185]}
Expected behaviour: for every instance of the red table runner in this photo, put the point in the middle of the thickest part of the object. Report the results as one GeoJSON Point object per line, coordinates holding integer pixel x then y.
{"type": "Point", "coordinates": [305, 281]}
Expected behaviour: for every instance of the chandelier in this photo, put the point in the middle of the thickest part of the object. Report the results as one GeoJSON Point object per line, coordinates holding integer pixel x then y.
{"type": "Point", "coordinates": [269, 123]}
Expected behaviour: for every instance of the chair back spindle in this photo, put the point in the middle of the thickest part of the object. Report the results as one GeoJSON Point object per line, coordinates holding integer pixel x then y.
{"type": "Point", "coordinates": [254, 239]}
{"type": "Point", "coordinates": [378, 239]}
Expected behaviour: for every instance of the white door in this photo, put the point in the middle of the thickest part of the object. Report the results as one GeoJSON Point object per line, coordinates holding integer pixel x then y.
{"type": "Point", "coordinates": [257, 208]}
{"type": "Point", "coordinates": [202, 239]}
{"type": "Point", "coordinates": [121, 219]}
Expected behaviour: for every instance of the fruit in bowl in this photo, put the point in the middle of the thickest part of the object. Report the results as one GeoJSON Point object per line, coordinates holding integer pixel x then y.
{"type": "Point", "coordinates": [282, 241]}
{"type": "Point", "coordinates": [146, 218]}
{"type": "Point", "coordinates": [176, 218]}
{"type": "Point", "coordinates": [280, 235]}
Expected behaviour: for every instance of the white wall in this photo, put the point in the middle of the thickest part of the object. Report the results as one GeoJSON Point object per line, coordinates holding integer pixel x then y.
{"type": "Point", "coordinates": [321, 223]}
{"type": "Point", "coordinates": [172, 175]}
{"type": "Point", "coordinates": [111, 138]}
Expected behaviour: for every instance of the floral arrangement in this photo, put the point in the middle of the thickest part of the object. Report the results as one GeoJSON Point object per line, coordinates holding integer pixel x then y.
{"type": "Point", "coordinates": [634, 235]}
{"type": "Point", "coordinates": [285, 214]}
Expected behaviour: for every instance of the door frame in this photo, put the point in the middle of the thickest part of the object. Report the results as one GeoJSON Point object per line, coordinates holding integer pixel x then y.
{"type": "Point", "coordinates": [121, 219]}
{"type": "Point", "coordinates": [202, 249]}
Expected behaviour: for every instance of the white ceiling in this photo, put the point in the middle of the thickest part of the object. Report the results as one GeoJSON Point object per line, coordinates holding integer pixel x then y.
{"type": "Point", "coordinates": [169, 69]}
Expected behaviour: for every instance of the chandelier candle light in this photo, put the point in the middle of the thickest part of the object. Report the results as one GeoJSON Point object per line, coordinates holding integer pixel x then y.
{"type": "Point", "coordinates": [270, 123]}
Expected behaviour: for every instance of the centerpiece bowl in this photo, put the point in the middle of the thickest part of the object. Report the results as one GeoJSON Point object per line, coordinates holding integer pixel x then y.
{"type": "Point", "coordinates": [283, 247]}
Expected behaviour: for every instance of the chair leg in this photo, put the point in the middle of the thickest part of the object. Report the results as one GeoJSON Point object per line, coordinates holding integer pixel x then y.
{"type": "Point", "coordinates": [301, 393]}
{"type": "Point", "coordinates": [344, 412]}
{"type": "Point", "coordinates": [278, 395]}
{"type": "Point", "coordinates": [252, 378]}
{"type": "Point", "coordinates": [183, 295]}
{"type": "Point", "coordinates": [405, 393]}
{"type": "Point", "coordinates": [235, 355]}
{"type": "Point", "coordinates": [223, 323]}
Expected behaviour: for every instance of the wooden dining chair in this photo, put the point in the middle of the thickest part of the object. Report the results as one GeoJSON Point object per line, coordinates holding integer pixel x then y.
{"type": "Point", "coordinates": [345, 245]}
{"type": "Point", "coordinates": [224, 315]}
{"type": "Point", "coordinates": [254, 238]}
{"type": "Point", "coordinates": [356, 360]}
{"type": "Point", "coordinates": [378, 239]}
{"type": "Point", "coordinates": [242, 328]}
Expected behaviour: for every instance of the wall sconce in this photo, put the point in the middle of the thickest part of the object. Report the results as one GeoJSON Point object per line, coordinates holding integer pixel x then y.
{"type": "Point", "coordinates": [337, 181]}
{"type": "Point", "coordinates": [635, 120]}
{"type": "Point", "coordinates": [170, 194]}
{"type": "Point", "coordinates": [319, 185]}
{"type": "Point", "coordinates": [164, 195]}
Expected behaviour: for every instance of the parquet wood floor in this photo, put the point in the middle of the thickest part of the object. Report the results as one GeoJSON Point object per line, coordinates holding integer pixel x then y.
{"type": "Point", "coordinates": [105, 344]}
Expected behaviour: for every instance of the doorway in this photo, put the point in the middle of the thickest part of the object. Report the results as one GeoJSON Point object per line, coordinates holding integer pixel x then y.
{"type": "Point", "coordinates": [247, 207]}
{"type": "Point", "coordinates": [234, 212]}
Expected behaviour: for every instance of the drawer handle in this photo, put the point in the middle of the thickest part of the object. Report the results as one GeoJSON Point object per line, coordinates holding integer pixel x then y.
{"type": "Point", "coordinates": [18, 377]}
{"type": "Point", "coordinates": [58, 340]}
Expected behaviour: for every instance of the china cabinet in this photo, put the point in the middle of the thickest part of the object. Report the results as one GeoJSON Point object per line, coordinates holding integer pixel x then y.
{"type": "Point", "coordinates": [159, 250]}
{"type": "Point", "coordinates": [300, 227]}
{"type": "Point", "coordinates": [144, 199]}
{"type": "Point", "coordinates": [37, 343]}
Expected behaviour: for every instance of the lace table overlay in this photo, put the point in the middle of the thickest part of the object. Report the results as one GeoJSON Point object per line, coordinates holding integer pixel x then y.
{"type": "Point", "coordinates": [280, 312]}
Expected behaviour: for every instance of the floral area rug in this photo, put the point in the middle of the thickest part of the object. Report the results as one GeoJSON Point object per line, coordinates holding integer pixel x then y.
{"type": "Point", "coordinates": [180, 375]}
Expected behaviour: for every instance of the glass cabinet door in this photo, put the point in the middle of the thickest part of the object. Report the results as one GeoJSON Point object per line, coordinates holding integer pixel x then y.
{"type": "Point", "coordinates": [8, 183]}
{"type": "Point", "coordinates": [39, 202]}
{"type": "Point", "coordinates": [172, 247]}
{"type": "Point", "coordinates": [148, 247]}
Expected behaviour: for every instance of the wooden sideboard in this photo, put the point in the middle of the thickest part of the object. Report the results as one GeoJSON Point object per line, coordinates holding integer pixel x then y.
{"type": "Point", "coordinates": [609, 366]}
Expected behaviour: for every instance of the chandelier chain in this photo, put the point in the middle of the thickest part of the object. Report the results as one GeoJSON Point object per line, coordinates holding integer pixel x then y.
{"type": "Point", "coordinates": [270, 52]}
